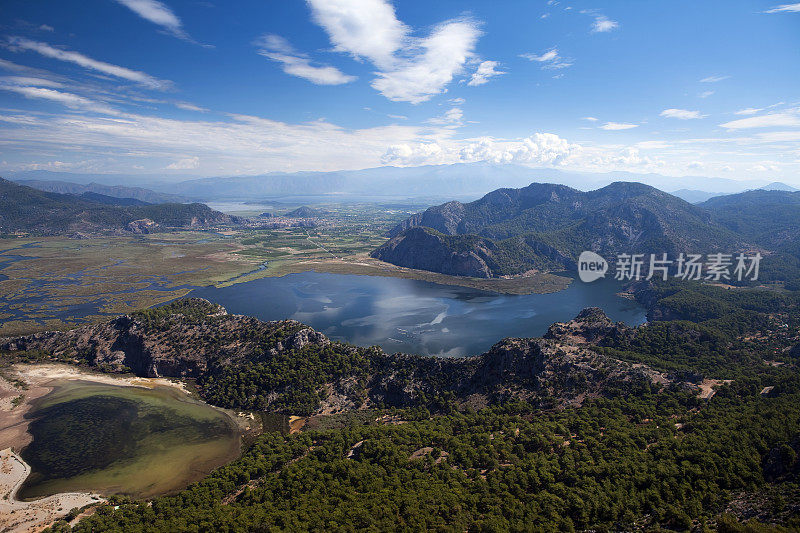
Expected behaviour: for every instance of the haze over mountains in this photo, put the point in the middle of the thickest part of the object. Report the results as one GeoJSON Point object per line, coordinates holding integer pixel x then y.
{"type": "Point", "coordinates": [457, 181]}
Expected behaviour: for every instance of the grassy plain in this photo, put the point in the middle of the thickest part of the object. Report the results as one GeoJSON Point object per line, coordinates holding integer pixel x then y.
{"type": "Point", "coordinates": [58, 282]}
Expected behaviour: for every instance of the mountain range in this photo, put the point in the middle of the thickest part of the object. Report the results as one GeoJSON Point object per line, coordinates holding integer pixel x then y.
{"type": "Point", "coordinates": [24, 209]}
{"type": "Point", "coordinates": [463, 181]}
{"type": "Point", "coordinates": [546, 226]}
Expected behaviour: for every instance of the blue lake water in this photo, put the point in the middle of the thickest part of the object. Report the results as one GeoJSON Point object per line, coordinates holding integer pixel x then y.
{"type": "Point", "coordinates": [403, 315]}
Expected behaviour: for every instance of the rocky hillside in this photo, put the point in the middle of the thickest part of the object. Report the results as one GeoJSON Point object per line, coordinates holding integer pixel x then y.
{"type": "Point", "coordinates": [546, 226]}
{"type": "Point", "coordinates": [24, 209]}
{"type": "Point", "coordinates": [242, 362]}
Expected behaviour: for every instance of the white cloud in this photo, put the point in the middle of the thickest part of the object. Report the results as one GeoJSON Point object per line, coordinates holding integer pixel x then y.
{"type": "Point", "coordinates": [26, 80]}
{"type": "Point", "coordinates": [603, 24]}
{"type": "Point", "coordinates": [770, 120]}
{"type": "Point", "coordinates": [456, 101]}
{"type": "Point", "coordinates": [47, 27]}
{"type": "Point", "coordinates": [159, 14]}
{"type": "Point", "coordinates": [714, 79]}
{"type": "Point", "coordinates": [549, 59]}
{"type": "Point", "coordinates": [428, 72]}
{"type": "Point", "coordinates": [614, 126]}
{"type": "Point", "coordinates": [785, 8]}
{"type": "Point", "coordinates": [297, 64]}
{"type": "Point", "coordinates": [705, 94]}
{"type": "Point", "coordinates": [749, 111]}
{"type": "Point", "coordinates": [409, 69]}
{"type": "Point", "coordinates": [184, 164]}
{"type": "Point", "coordinates": [68, 99]}
{"type": "Point", "coordinates": [367, 29]}
{"type": "Point", "coordinates": [20, 43]}
{"type": "Point", "coordinates": [186, 106]}
{"type": "Point", "coordinates": [452, 118]}
{"type": "Point", "coordinates": [539, 148]}
{"type": "Point", "coordinates": [484, 71]}
{"type": "Point", "coordinates": [591, 119]}
{"type": "Point", "coordinates": [683, 114]}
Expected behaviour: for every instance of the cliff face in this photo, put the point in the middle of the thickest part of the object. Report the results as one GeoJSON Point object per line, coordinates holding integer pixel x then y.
{"type": "Point", "coordinates": [426, 250]}
{"type": "Point", "coordinates": [194, 338]}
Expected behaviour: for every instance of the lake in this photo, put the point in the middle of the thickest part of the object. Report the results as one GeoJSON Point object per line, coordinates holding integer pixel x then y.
{"type": "Point", "coordinates": [411, 316]}
{"type": "Point", "coordinates": [90, 436]}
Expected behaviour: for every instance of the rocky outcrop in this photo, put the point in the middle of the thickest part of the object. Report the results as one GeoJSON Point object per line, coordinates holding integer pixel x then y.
{"type": "Point", "coordinates": [194, 338]}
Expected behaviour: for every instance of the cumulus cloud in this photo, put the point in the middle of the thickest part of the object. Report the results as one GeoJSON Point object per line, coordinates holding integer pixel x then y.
{"type": "Point", "coordinates": [276, 48]}
{"type": "Point", "coordinates": [614, 126]}
{"type": "Point", "coordinates": [409, 69]}
{"type": "Point", "coordinates": [784, 8]}
{"type": "Point", "coordinates": [451, 117]}
{"type": "Point", "coordinates": [22, 44]}
{"type": "Point", "coordinates": [539, 148]}
{"type": "Point", "coordinates": [184, 164]}
{"type": "Point", "coordinates": [549, 59]}
{"type": "Point", "coordinates": [485, 70]}
{"type": "Point", "coordinates": [683, 114]}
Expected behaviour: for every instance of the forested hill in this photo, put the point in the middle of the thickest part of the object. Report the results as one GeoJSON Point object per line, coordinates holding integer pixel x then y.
{"type": "Point", "coordinates": [596, 426]}
{"type": "Point", "coordinates": [28, 210]}
{"type": "Point", "coordinates": [546, 226]}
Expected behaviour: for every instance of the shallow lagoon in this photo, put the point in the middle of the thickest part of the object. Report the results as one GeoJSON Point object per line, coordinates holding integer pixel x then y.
{"type": "Point", "coordinates": [111, 439]}
{"type": "Point", "coordinates": [405, 315]}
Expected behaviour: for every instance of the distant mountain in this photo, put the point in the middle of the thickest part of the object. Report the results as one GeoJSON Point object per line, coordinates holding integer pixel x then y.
{"type": "Point", "coordinates": [462, 181]}
{"type": "Point", "coordinates": [546, 226]}
{"type": "Point", "coordinates": [305, 212]}
{"type": "Point", "coordinates": [115, 191]}
{"type": "Point", "coordinates": [778, 186]}
{"type": "Point", "coordinates": [111, 200]}
{"type": "Point", "coordinates": [44, 213]}
{"type": "Point", "coordinates": [694, 196]}
{"type": "Point", "coordinates": [769, 218]}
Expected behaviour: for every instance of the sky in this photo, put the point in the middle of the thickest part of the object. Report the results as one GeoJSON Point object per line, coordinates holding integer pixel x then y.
{"type": "Point", "coordinates": [216, 88]}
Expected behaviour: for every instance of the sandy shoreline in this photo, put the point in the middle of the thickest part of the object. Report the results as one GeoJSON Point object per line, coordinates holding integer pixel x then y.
{"type": "Point", "coordinates": [28, 516]}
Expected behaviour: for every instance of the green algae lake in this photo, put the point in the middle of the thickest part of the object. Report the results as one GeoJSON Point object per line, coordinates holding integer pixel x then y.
{"type": "Point", "coordinates": [133, 440]}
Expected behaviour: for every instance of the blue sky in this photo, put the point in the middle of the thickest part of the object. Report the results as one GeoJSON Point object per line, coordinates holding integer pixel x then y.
{"type": "Point", "coordinates": [203, 88]}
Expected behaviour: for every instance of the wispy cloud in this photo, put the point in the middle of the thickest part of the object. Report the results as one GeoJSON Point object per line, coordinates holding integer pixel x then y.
{"type": "Point", "coordinates": [410, 69]}
{"type": "Point", "coordinates": [294, 63]}
{"type": "Point", "coordinates": [159, 14]}
{"type": "Point", "coordinates": [784, 8]}
{"type": "Point", "coordinates": [20, 44]}
{"type": "Point", "coordinates": [705, 94]}
{"type": "Point", "coordinates": [67, 99]}
{"type": "Point", "coordinates": [683, 114]}
{"type": "Point", "coordinates": [485, 71]}
{"type": "Point", "coordinates": [788, 118]}
{"type": "Point", "coordinates": [549, 59]}
{"type": "Point", "coordinates": [591, 119]}
{"type": "Point", "coordinates": [451, 118]}
{"type": "Point", "coordinates": [614, 126]}
{"type": "Point", "coordinates": [714, 79]}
